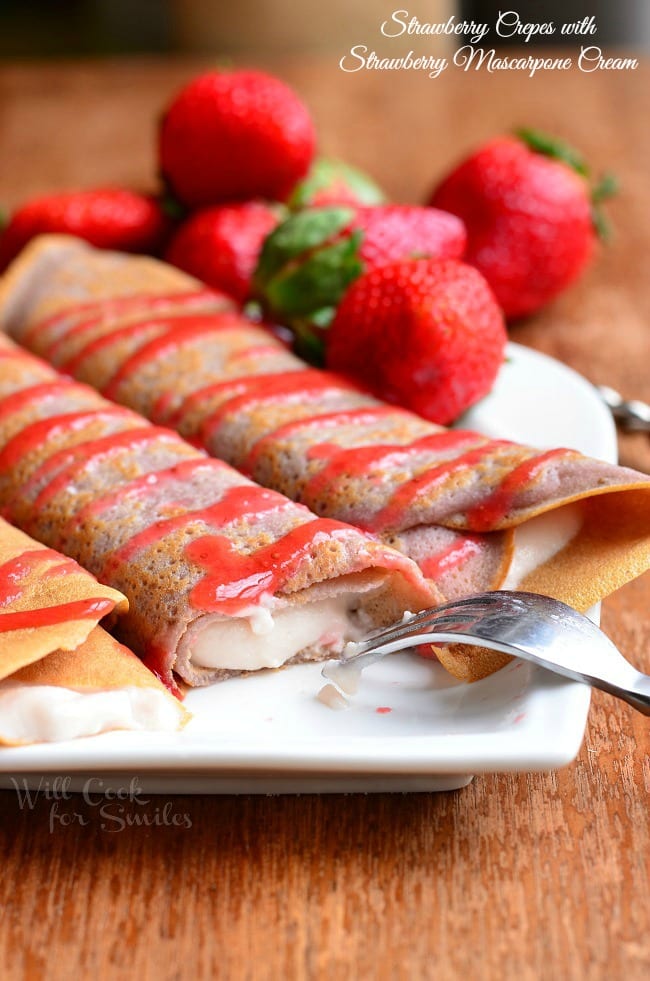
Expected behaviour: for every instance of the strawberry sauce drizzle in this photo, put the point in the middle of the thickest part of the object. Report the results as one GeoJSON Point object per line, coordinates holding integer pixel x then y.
{"type": "Point", "coordinates": [26, 397]}
{"type": "Point", "coordinates": [254, 352]}
{"type": "Point", "coordinates": [75, 459]}
{"type": "Point", "coordinates": [111, 336]}
{"type": "Point", "coordinates": [39, 433]}
{"type": "Point", "coordinates": [91, 609]}
{"type": "Point", "coordinates": [356, 461]}
{"type": "Point", "coordinates": [393, 515]}
{"type": "Point", "coordinates": [256, 390]}
{"type": "Point", "coordinates": [344, 417]}
{"type": "Point", "coordinates": [453, 557]}
{"type": "Point", "coordinates": [181, 331]}
{"type": "Point", "coordinates": [16, 570]}
{"type": "Point", "coordinates": [161, 408]}
{"type": "Point", "coordinates": [106, 311]}
{"type": "Point", "coordinates": [490, 513]}
{"type": "Point", "coordinates": [77, 329]}
{"type": "Point", "coordinates": [233, 580]}
{"type": "Point", "coordinates": [167, 326]}
{"type": "Point", "coordinates": [97, 310]}
{"type": "Point", "coordinates": [63, 568]}
{"type": "Point", "coordinates": [231, 388]}
{"type": "Point", "coordinates": [141, 486]}
{"type": "Point", "coordinates": [238, 503]}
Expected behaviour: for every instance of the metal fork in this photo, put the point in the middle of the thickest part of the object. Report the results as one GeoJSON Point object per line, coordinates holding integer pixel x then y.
{"type": "Point", "coordinates": [536, 628]}
{"type": "Point", "coordinates": [630, 414]}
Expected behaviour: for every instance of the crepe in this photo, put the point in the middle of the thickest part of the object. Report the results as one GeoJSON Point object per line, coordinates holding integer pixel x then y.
{"type": "Point", "coordinates": [222, 575]}
{"type": "Point", "coordinates": [475, 513]}
{"type": "Point", "coordinates": [62, 676]}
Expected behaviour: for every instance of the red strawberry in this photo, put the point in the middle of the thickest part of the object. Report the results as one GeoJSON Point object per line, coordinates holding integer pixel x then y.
{"type": "Point", "coordinates": [334, 182]}
{"type": "Point", "coordinates": [221, 245]}
{"type": "Point", "coordinates": [426, 334]}
{"type": "Point", "coordinates": [109, 218]}
{"type": "Point", "coordinates": [235, 136]}
{"type": "Point", "coordinates": [528, 209]}
{"type": "Point", "coordinates": [400, 231]}
{"type": "Point", "coordinates": [308, 262]}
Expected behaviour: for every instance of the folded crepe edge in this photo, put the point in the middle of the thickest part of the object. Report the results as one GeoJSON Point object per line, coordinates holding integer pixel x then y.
{"type": "Point", "coordinates": [99, 664]}
{"type": "Point", "coordinates": [34, 258]}
{"type": "Point", "coordinates": [71, 652]}
{"type": "Point", "coordinates": [26, 645]}
{"type": "Point", "coordinates": [611, 549]}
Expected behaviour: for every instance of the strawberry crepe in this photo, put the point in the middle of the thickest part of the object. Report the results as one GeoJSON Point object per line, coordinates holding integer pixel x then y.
{"type": "Point", "coordinates": [474, 512]}
{"type": "Point", "coordinates": [62, 676]}
{"type": "Point", "coordinates": [221, 575]}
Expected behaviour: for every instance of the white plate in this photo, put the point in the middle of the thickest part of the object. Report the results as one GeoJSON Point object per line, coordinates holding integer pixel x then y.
{"type": "Point", "coordinates": [411, 727]}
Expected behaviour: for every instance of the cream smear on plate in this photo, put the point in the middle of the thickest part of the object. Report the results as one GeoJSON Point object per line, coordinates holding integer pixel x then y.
{"type": "Point", "coordinates": [47, 713]}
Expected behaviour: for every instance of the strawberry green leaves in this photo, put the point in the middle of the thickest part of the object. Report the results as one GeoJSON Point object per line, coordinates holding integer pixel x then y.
{"type": "Point", "coordinates": [308, 263]}
{"type": "Point", "coordinates": [557, 149]}
{"type": "Point", "coordinates": [550, 146]}
{"type": "Point", "coordinates": [606, 188]}
{"type": "Point", "coordinates": [334, 182]}
{"type": "Point", "coordinates": [304, 268]}
{"type": "Point", "coordinates": [297, 235]}
{"type": "Point", "coordinates": [317, 283]}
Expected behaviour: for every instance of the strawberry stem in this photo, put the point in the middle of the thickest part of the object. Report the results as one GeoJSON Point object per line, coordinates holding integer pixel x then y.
{"type": "Point", "coordinates": [309, 342]}
{"type": "Point", "coordinates": [320, 281]}
{"type": "Point", "coordinates": [607, 186]}
{"type": "Point", "coordinates": [551, 147]}
{"type": "Point", "coordinates": [558, 150]}
{"type": "Point", "coordinates": [327, 176]}
{"type": "Point", "coordinates": [172, 207]}
{"type": "Point", "coordinates": [298, 236]}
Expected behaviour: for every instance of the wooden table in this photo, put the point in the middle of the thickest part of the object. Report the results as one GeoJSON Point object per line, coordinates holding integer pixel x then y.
{"type": "Point", "coordinates": [522, 876]}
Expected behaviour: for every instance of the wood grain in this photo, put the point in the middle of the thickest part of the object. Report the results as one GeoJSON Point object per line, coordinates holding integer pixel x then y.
{"type": "Point", "coordinates": [527, 876]}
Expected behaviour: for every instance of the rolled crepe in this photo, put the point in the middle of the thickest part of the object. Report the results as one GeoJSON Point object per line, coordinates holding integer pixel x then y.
{"type": "Point", "coordinates": [475, 513]}
{"type": "Point", "coordinates": [62, 676]}
{"type": "Point", "coordinates": [221, 575]}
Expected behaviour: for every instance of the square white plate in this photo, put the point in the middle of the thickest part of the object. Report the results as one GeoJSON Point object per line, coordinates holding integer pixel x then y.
{"type": "Point", "coordinates": [411, 727]}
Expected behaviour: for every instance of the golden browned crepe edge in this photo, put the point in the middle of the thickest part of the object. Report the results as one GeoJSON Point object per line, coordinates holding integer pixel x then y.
{"type": "Point", "coordinates": [101, 662]}
{"type": "Point", "coordinates": [27, 645]}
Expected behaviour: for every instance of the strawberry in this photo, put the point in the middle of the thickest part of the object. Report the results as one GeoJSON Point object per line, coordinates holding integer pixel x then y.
{"type": "Point", "coordinates": [221, 245]}
{"type": "Point", "coordinates": [235, 136]}
{"type": "Point", "coordinates": [529, 212]}
{"type": "Point", "coordinates": [308, 262]}
{"type": "Point", "coordinates": [109, 218]}
{"type": "Point", "coordinates": [334, 182]}
{"type": "Point", "coordinates": [426, 334]}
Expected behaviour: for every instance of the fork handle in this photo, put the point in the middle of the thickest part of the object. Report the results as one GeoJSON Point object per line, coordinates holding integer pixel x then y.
{"type": "Point", "coordinates": [638, 695]}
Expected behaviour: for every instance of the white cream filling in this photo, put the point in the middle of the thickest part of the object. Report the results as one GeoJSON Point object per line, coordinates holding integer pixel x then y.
{"type": "Point", "coordinates": [268, 640]}
{"type": "Point", "coordinates": [539, 539]}
{"type": "Point", "coordinates": [47, 713]}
